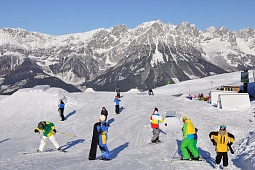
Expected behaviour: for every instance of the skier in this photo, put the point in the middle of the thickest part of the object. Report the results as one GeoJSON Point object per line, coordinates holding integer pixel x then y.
{"type": "Point", "coordinates": [61, 108]}
{"type": "Point", "coordinates": [155, 119]}
{"type": "Point", "coordinates": [117, 104]}
{"type": "Point", "coordinates": [150, 92]}
{"type": "Point", "coordinates": [104, 112]}
{"type": "Point", "coordinates": [118, 91]}
{"type": "Point", "coordinates": [49, 131]}
{"type": "Point", "coordinates": [188, 140]}
{"type": "Point", "coordinates": [102, 129]}
{"type": "Point", "coordinates": [222, 140]}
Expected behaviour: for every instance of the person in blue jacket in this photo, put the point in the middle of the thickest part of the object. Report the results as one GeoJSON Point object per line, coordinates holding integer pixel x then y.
{"type": "Point", "coordinates": [117, 104]}
{"type": "Point", "coordinates": [102, 129]}
{"type": "Point", "coordinates": [61, 108]}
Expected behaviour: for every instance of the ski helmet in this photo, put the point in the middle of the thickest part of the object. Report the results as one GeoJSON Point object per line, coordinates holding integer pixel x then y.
{"type": "Point", "coordinates": [223, 127]}
{"type": "Point", "coordinates": [41, 125]}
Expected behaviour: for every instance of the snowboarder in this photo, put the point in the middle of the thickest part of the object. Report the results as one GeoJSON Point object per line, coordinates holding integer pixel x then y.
{"type": "Point", "coordinates": [49, 131]}
{"type": "Point", "coordinates": [61, 108]}
{"type": "Point", "coordinates": [222, 140]}
{"type": "Point", "coordinates": [104, 112]}
{"type": "Point", "coordinates": [155, 119]}
{"type": "Point", "coordinates": [117, 104]}
{"type": "Point", "coordinates": [102, 129]}
{"type": "Point", "coordinates": [118, 91]}
{"type": "Point", "coordinates": [188, 140]}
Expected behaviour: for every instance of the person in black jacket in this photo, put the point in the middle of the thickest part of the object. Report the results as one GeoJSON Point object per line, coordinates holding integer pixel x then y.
{"type": "Point", "coordinates": [61, 108]}
{"type": "Point", "coordinates": [104, 112]}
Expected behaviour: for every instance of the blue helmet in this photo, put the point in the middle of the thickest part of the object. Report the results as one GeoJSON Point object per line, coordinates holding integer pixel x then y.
{"type": "Point", "coordinates": [223, 127]}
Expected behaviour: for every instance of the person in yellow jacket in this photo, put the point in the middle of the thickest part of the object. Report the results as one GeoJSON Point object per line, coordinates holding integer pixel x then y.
{"type": "Point", "coordinates": [188, 131]}
{"type": "Point", "coordinates": [222, 140]}
{"type": "Point", "coordinates": [49, 131]}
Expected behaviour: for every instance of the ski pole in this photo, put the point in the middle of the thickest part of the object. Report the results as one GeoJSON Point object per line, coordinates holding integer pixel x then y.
{"type": "Point", "coordinates": [67, 134]}
{"type": "Point", "coordinates": [174, 155]}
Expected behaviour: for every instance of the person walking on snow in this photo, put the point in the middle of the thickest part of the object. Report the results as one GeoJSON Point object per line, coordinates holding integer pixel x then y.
{"type": "Point", "coordinates": [155, 119]}
{"type": "Point", "coordinates": [49, 131]}
{"type": "Point", "coordinates": [222, 140]}
{"type": "Point", "coordinates": [104, 112]}
{"type": "Point", "coordinates": [188, 140]}
{"type": "Point", "coordinates": [102, 129]}
{"type": "Point", "coordinates": [117, 105]}
{"type": "Point", "coordinates": [61, 108]}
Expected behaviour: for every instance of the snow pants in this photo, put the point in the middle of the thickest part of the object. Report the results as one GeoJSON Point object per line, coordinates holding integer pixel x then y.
{"type": "Point", "coordinates": [117, 109]}
{"type": "Point", "coordinates": [219, 157]}
{"type": "Point", "coordinates": [61, 114]}
{"type": "Point", "coordinates": [188, 144]}
{"type": "Point", "coordinates": [104, 150]}
{"type": "Point", "coordinates": [52, 139]}
{"type": "Point", "coordinates": [155, 136]}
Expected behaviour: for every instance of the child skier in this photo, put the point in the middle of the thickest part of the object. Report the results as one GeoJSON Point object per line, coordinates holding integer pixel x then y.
{"type": "Point", "coordinates": [222, 140]}
{"type": "Point", "coordinates": [155, 119]}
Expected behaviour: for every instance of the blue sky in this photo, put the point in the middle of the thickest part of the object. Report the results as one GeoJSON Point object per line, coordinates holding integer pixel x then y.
{"type": "Point", "coordinates": [58, 17]}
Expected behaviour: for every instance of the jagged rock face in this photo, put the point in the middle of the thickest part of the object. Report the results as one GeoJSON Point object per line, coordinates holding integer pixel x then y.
{"type": "Point", "coordinates": [149, 55]}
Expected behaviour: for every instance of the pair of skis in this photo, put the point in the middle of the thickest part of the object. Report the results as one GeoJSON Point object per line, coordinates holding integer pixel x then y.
{"type": "Point", "coordinates": [47, 151]}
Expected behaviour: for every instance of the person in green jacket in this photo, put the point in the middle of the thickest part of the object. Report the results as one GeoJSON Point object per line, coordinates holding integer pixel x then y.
{"type": "Point", "coordinates": [49, 131]}
{"type": "Point", "coordinates": [188, 140]}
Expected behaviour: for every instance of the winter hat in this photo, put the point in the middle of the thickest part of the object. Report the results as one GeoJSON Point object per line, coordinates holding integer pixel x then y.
{"type": "Point", "coordinates": [102, 117]}
{"type": "Point", "coordinates": [156, 109]}
{"type": "Point", "coordinates": [184, 118]}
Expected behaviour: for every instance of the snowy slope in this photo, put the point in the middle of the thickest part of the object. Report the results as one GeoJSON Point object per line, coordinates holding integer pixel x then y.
{"type": "Point", "coordinates": [129, 133]}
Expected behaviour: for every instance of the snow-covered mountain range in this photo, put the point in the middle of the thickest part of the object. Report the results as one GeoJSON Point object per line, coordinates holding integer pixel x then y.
{"type": "Point", "coordinates": [149, 55]}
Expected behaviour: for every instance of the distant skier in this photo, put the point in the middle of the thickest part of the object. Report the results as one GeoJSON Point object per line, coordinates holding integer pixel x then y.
{"type": "Point", "coordinates": [150, 92]}
{"type": "Point", "coordinates": [104, 112]}
{"type": "Point", "coordinates": [118, 91]}
{"type": "Point", "coordinates": [188, 140]}
{"type": "Point", "coordinates": [49, 131]}
{"type": "Point", "coordinates": [155, 119]}
{"type": "Point", "coordinates": [102, 129]}
{"type": "Point", "coordinates": [222, 140]}
{"type": "Point", "coordinates": [61, 108]}
{"type": "Point", "coordinates": [117, 104]}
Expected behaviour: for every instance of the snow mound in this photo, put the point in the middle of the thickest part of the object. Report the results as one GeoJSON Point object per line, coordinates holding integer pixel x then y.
{"type": "Point", "coordinates": [89, 90]}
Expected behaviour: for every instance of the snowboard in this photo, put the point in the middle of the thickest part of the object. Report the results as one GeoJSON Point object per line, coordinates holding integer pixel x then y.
{"type": "Point", "coordinates": [94, 142]}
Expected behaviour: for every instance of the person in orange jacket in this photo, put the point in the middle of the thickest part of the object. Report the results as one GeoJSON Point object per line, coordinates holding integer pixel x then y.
{"type": "Point", "coordinates": [222, 140]}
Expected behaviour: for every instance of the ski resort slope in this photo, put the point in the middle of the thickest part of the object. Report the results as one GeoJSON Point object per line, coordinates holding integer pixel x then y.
{"type": "Point", "coordinates": [129, 132]}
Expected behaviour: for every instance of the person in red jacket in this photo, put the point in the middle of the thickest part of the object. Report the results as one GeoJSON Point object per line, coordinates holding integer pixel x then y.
{"type": "Point", "coordinates": [155, 119]}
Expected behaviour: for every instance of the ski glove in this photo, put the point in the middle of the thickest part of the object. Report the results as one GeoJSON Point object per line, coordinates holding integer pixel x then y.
{"type": "Point", "coordinates": [36, 131]}
{"type": "Point", "coordinates": [54, 130]}
{"type": "Point", "coordinates": [229, 144]}
{"type": "Point", "coordinates": [213, 141]}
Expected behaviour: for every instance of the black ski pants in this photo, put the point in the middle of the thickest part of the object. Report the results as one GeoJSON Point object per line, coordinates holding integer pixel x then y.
{"type": "Point", "coordinates": [221, 155]}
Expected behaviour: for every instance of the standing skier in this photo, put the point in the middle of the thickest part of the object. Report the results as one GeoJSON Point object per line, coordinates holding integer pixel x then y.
{"type": "Point", "coordinates": [188, 140]}
{"type": "Point", "coordinates": [117, 104]}
{"type": "Point", "coordinates": [49, 131]}
{"type": "Point", "coordinates": [61, 108]}
{"type": "Point", "coordinates": [222, 140]}
{"type": "Point", "coordinates": [104, 112]}
{"type": "Point", "coordinates": [155, 119]}
{"type": "Point", "coordinates": [102, 129]}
